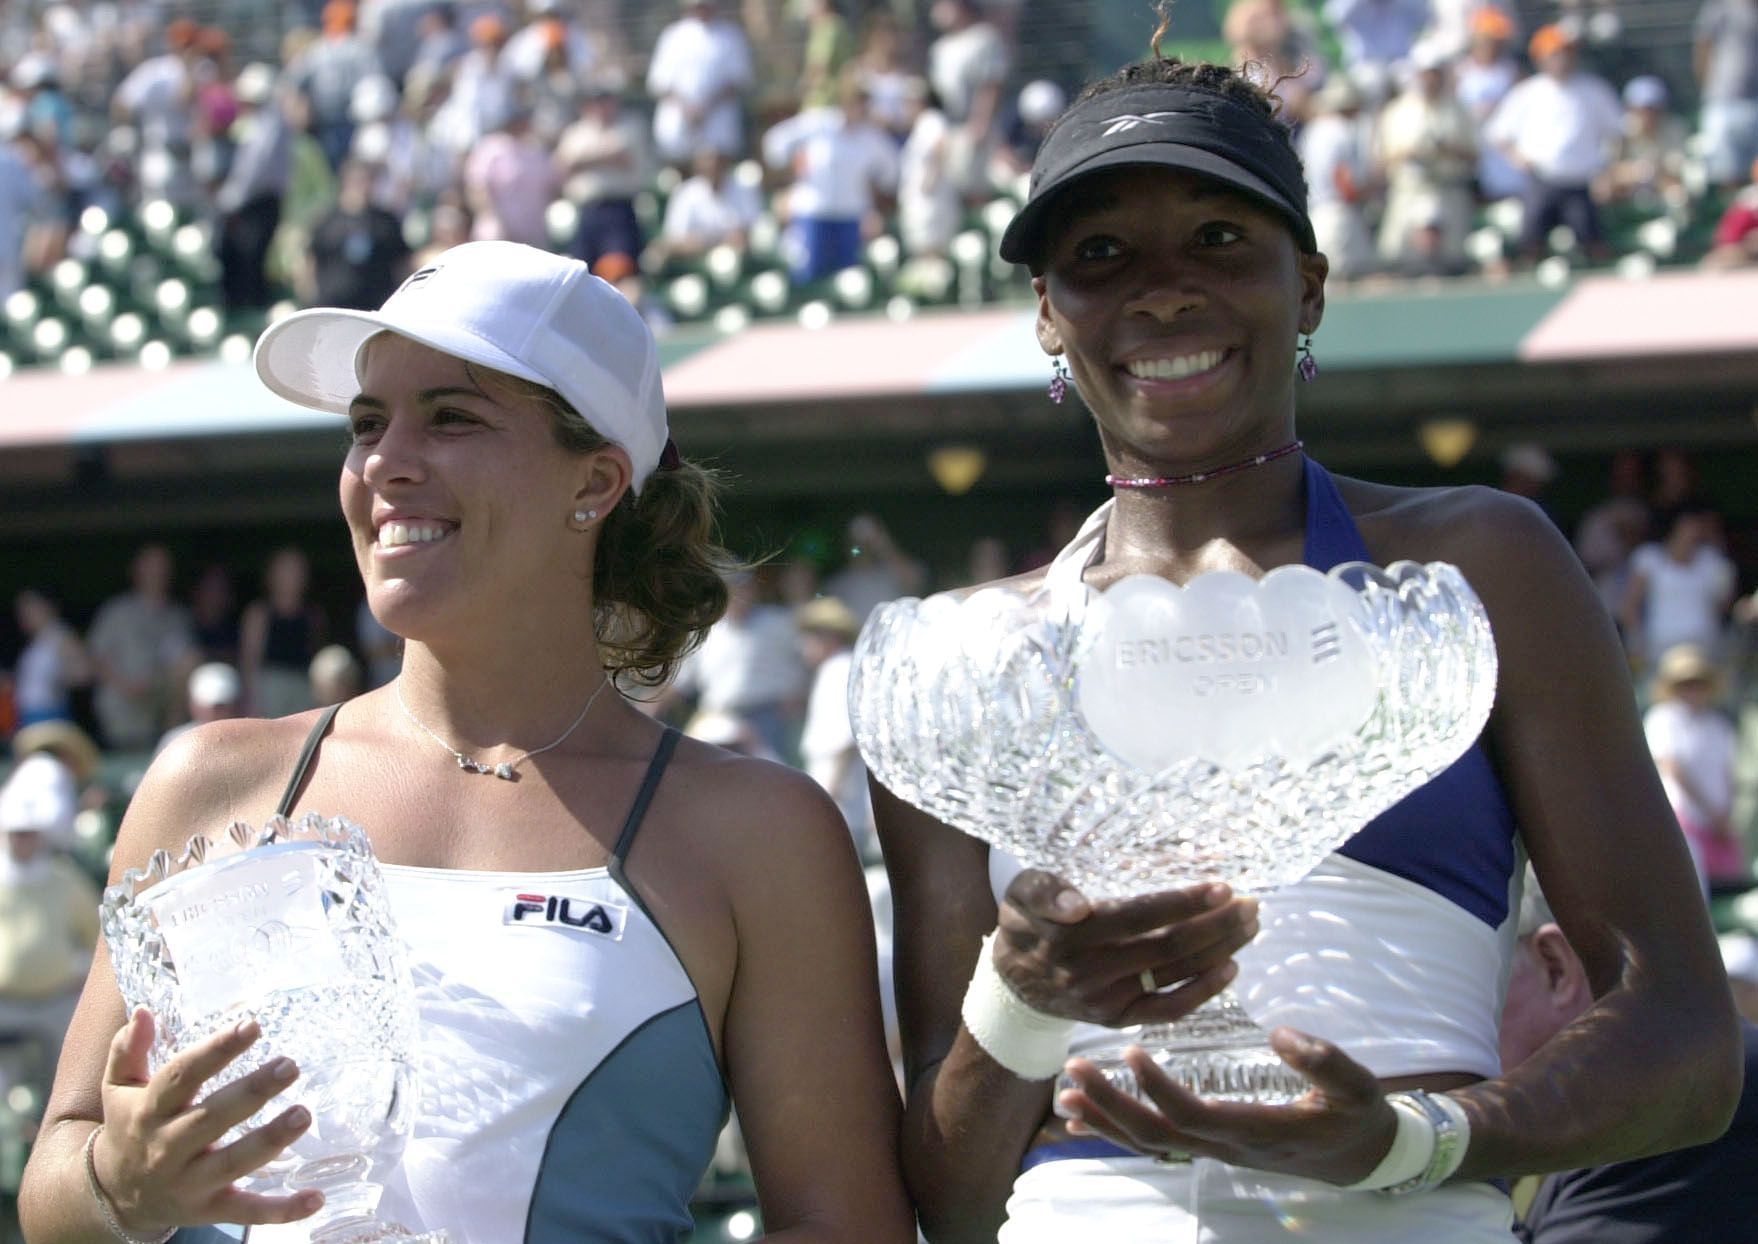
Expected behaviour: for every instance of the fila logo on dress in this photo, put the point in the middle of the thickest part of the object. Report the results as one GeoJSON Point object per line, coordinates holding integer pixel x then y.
{"type": "Point", "coordinates": [558, 911]}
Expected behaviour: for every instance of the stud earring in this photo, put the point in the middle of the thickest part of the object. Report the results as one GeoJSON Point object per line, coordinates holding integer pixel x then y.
{"type": "Point", "coordinates": [582, 517]}
{"type": "Point", "coordinates": [1308, 366]}
{"type": "Point", "coordinates": [1058, 381]}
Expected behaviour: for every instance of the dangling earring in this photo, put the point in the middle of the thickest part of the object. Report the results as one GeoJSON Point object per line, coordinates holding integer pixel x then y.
{"type": "Point", "coordinates": [1058, 381]}
{"type": "Point", "coordinates": [1308, 366]}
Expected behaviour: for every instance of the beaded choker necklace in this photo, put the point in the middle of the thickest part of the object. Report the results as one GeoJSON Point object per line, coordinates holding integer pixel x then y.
{"type": "Point", "coordinates": [1198, 477]}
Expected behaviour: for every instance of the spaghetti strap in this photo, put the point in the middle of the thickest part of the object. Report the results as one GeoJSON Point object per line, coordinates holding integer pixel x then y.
{"type": "Point", "coordinates": [638, 810]}
{"type": "Point", "coordinates": [307, 754]}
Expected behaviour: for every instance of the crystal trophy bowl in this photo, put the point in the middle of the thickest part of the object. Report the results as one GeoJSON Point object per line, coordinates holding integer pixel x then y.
{"type": "Point", "coordinates": [289, 924]}
{"type": "Point", "coordinates": [1155, 737]}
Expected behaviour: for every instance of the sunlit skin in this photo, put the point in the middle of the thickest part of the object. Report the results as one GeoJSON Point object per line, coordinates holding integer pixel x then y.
{"type": "Point", "coordinates": [1155, 263]}
{"type": "Point", "coordinates": [431, 445]}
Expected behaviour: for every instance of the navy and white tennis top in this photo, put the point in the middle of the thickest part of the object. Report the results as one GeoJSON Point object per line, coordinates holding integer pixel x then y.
{"type": "Point", "coordinates": [568, 1087]}
{"type": "Point", "coordinates": [1397, 946]}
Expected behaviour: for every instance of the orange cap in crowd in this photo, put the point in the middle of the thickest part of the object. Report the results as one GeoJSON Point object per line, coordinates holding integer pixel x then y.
{"type": "Point", "coordinates": [1492, 23]}
{"type": "Point", "coordinates": [181, 34]}
{"type": "Point", "coordinates": [338, 17]}
{"type": "Point", "coordinates": [488, 29]}
{"type": "Point", "coordinates": [555, 33]}
{"type": "Point", "coordinates": [613, 267]}
{"type": "Point", "coordinates": [1547, 41]}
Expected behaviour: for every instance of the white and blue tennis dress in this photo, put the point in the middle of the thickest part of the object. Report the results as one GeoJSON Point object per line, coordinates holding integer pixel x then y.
{"type": "Point", "coordinates": [568, 1086]}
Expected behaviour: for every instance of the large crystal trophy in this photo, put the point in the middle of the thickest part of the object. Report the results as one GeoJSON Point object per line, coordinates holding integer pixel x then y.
{"type": "Point", "coordinates": [1153, 737]}
{"type": "Point", "coordinates": [289, 924]}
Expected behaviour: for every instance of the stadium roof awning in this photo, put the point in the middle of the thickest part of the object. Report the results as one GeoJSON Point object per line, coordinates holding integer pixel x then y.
{"type": "Point", "coordinates": [1674, 317]}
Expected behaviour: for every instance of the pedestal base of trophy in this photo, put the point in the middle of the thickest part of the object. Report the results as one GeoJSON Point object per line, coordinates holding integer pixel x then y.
{"type": "Point", "coordinates": [1216, 1051]}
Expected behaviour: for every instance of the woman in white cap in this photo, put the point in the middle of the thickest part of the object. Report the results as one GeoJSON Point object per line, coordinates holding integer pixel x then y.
{"type": "Point", "coordinates": [1177, 274]}
{"type": "Point", "coordinates": [522, 520]}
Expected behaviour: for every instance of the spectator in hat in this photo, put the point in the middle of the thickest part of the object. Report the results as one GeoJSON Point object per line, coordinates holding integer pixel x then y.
{"type": "Point", "coordinates": [1680, 587]}
{"type": "Point", "coordinates": [251, 198]}
{"type": "Point", "coordinates": [551, 43]}
{"type": "Point", "coordinates": [1726, 60]}
{"type": "Point", "coordinates": [843, 166]}
{"type": "Point", "coordinates": [327, 73]}
{"type": "Point", "coordinates": [157, 94]}
{"type": "Point", "coordinates": [335, 675]}
{"type": "Point", "coordinates": [48, 907]}
{"type": "Point", "coordinates": [697, 76]}
{"type": "Point", "coordinates": [827, 741]}
{"type": "Point", "coordinates": [1647, 170]}
{"type": "Point", "coordinates": [1694, 747]}
{"type": "Point", "coordinates": [1334, 147]}
{"type": "Point", "coordinates": [1036, 107]}
{"type": "Point", "coordinates": [484, 93]}
{"type": "Point", "coordinates": [38, 82]}
{"type": "Point", "coordinates": [605, 159]}
{"type": "Point", "coordinates": [1559, 127]}
{"type": "Point", "coordinates": [1527, 471]}
{"type": "Point", "coordinates": [140, 644]}
{"type": "Point", "coordinates": [215, 693]}
{"type": "Point", "coordinates": [1427, 145]}
{"type": "Point", "coordinates": [1482, 77]}
{"type": "Point", "coordinates": [1707, 1192]}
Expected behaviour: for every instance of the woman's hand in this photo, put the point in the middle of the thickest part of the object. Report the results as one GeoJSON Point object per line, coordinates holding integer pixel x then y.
{"type": "Point", "coordinates": [1065, 955]}
{"type": "Point", "coordinates": [1337, 1132]}
{"type": "Point", "coordinates": [160, 1161]}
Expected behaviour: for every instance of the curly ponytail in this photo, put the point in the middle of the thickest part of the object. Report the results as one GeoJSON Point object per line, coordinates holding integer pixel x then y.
{"type": "Point", "coordinates": [658, 582]}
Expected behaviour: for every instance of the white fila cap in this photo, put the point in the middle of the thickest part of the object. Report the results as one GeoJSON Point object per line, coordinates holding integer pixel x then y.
{"type": "Point", "coordinates": [517, 309]}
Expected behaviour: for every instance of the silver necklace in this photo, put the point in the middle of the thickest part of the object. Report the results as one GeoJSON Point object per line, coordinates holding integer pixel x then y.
{"type": "Point", "coordinates": [503, 770]}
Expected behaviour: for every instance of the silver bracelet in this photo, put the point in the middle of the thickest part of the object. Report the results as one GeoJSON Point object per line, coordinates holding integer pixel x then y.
{"type": "Point", "coordinates": [1452, 1136]}
{"type": "Point", "coordinates": [91, 1179]}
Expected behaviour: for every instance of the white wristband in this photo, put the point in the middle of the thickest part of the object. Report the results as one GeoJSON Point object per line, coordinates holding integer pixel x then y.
{"type": "Point", "coordinates": [1433, 1133]}
{"type": "Point", "coordinates": [1030, 1044]}
{"type": "Point", "coordinates": [1412, 1146]}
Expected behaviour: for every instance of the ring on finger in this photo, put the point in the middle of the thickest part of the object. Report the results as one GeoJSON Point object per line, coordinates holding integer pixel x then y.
{"type": "Point", "coordinates": [1148, 984]}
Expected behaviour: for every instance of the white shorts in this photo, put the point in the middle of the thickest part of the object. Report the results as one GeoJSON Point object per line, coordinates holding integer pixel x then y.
{"type": "Point", "coordinates": [1135, 1200]}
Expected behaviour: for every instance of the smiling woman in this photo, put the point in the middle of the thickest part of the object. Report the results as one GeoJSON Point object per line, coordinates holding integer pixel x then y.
{"type": "Point", "coordinates": [1176, 274]}
{"type": "Point", "coordinates": [617, 934]}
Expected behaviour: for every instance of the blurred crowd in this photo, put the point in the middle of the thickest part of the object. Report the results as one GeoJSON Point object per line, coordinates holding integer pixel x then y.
{"type": "Point", "coordinates": [375, 134]}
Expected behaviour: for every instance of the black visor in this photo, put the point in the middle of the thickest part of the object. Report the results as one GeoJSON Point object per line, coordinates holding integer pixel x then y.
{"type": "Point", "coordinates": [1159, 126]}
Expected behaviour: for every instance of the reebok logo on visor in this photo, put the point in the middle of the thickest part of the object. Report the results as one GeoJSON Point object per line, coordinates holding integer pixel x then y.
{"type": "Point", "coordinates": [559, 911]}
{"type": "Point", "coordinates": [1128, 121]}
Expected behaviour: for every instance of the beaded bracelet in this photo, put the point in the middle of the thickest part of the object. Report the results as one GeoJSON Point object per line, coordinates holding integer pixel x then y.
{"type": "Point", "coordinates": [116, 1229]}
